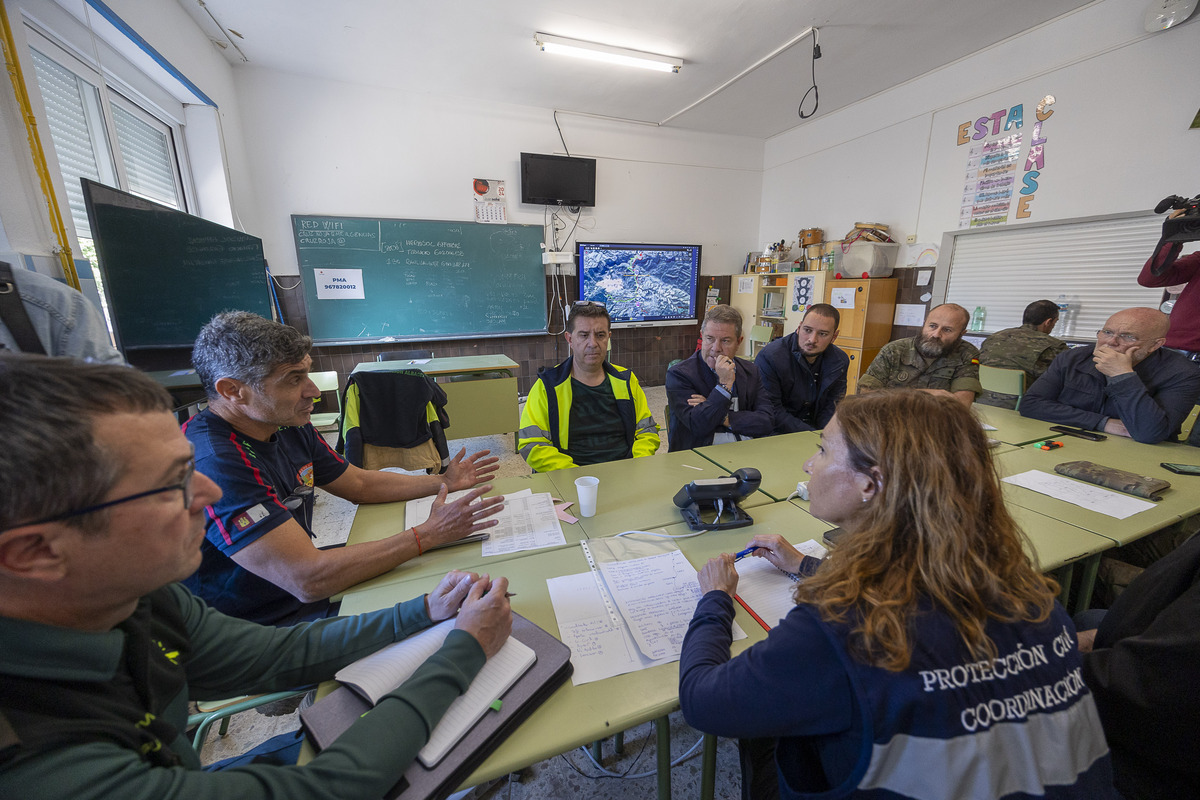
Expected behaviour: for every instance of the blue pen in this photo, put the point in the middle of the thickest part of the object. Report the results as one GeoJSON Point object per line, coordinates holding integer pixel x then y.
{"type": "Point", "coordinates": [740, 555]}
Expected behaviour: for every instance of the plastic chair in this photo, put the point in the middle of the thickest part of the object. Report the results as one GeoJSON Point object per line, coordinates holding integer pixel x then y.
{"type": "Point", "coordinates": [221, 710]}
{"type": "Point", "coordinates": [404, 355]}
{"type": "Point", "coordinates": [1003, 381]}
{"type": "Point", "coordinates": [327, 382]}
{"type": "Point", "coordinates": [761, 333]}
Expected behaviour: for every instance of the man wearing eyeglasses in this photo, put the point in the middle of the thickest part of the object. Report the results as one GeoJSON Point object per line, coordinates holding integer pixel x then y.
{"type": "Point", "coordinates": [256, 441]}
{"type": "Point", "coordinates": [102, 512]}
{"type": "Point", "coordinates": [1126, 384]}
{"type": "Point", "coordinates": [803, 374]}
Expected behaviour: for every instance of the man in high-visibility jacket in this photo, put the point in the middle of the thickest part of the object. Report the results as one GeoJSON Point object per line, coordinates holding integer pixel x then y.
{"type": "Point", "coordinates": [585, 410]}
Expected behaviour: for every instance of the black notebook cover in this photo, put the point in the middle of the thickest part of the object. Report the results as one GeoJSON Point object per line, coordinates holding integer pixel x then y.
{"type": "Point", "coordinates": [325, 720]}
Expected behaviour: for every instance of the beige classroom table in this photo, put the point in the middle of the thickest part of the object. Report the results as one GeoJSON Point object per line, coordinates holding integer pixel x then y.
{"type": "Point", "coordinates": [637, 493]}
{"type": "Point", "coordinates": [1180, 501]}
{"type": "Point", "coordinates": [477, 407]}
{"type": "Point", "coordinates": [374, 521]}
{"type": "Point", "coordinates": [1067, 551]}
{"type": "Point", "coordinates": [780, 459]}
{"type": "Point", "coordinates": [1012, 428]}
{"type": "Point", "coordinates": [574, 715]}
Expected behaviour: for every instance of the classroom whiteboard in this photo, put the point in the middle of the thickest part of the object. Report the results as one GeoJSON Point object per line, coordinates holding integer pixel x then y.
{"type": "Point", "coordinates": [376, 279]}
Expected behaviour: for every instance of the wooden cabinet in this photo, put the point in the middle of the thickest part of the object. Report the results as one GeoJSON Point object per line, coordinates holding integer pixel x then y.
{"type": "Point", "coordinates": [776, 300]}
{"type": "Point", "coordinates": [867, 306]}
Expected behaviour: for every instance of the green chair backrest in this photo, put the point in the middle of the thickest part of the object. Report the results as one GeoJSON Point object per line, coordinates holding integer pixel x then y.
{"type": "Point", "coordinates": [1003, 381]}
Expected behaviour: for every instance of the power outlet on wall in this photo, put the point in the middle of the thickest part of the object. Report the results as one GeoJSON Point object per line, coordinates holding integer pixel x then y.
{"type": "Point", "coordinates": [552, 257]}
{"type": "Point", "coordinates": [912, 238]}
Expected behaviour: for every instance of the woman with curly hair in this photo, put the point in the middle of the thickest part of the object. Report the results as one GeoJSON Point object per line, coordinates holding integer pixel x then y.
{"type": "Point", "coordinates": [926, 657]}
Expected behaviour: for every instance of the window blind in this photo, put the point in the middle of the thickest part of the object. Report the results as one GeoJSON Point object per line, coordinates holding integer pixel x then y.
{"type": "Point", "coordinates": [1095, 263]}
{"type": "Point", "coordinates": [77, 130]}
{"type": "Point", "coordinates": [146, 155]}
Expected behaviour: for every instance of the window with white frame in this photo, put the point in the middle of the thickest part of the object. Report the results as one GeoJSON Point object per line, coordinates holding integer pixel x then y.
{"type": "Point", "coordinates": [100, 134]}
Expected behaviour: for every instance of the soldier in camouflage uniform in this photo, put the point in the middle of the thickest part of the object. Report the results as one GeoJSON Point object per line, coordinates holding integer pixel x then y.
{"type": "Point", "coordinates": [1029, 348]}
{"type": "Point", "coordinates": [937, 359]}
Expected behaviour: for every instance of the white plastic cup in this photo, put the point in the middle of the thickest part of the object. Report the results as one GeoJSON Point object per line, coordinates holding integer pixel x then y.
{"type": "Point", "coordinates": [586, 489]}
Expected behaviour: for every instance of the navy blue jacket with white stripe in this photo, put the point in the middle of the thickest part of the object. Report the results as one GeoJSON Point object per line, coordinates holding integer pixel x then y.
{"type": "Point", "coordinates": [950, 727]}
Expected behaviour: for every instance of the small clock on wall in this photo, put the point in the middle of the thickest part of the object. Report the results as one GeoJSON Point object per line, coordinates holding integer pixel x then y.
{"type": "Point", "coordinates": [1163, 14]}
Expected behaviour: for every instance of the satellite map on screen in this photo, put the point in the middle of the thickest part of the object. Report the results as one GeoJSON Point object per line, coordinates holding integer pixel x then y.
{"type": "Point", "coordinates": [640, 283]}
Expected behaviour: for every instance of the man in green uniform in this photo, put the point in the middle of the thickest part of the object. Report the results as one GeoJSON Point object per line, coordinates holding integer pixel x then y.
{"type": "Point", "coordinates": [935, 360]}
{"type": "Point", "coordinates": [101, 648]}
{"type": "Point", "coordinates": [1029, 347]}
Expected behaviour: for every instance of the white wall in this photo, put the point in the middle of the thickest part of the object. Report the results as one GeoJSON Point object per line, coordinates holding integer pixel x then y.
{"type": "Point", "coordinates": [324, 147]}
{"type": "Point", "coordinates": [1118, 140]}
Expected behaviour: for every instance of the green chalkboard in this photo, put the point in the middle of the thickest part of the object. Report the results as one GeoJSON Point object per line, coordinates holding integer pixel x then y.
{"type": "Point", "coordinates": [384, 279]}
{"type": "Point", "coordinates": [166, 273]}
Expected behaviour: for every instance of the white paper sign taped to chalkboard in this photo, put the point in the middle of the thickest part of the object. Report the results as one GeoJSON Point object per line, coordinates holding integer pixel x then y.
{"type": "Point", "coordinates": [339, 284]}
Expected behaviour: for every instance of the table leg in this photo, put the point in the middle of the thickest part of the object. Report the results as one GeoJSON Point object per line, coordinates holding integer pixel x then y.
{"type": "Point", "coordinates": [708, 772]}
{"type": "Point", "coordinates": [619, 743]}
{"type": "Point", "coordinates": [1089, 569]}
{"type": "Point", "coordinates": [1063, 575]}
{"type": "Point", "coordinates": [597, 753]}
{"type": "Point", "coordinates": [662, 726]}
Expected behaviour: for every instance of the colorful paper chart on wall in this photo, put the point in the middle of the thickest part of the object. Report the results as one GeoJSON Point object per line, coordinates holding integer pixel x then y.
{"type": "Point", "coordinates": [388, 279]}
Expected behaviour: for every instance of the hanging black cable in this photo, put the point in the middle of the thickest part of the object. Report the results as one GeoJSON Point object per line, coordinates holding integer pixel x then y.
{"type": "Point", "coordinates": [560, 133]}
{"type": "Point", "coordinates": [816, 53]}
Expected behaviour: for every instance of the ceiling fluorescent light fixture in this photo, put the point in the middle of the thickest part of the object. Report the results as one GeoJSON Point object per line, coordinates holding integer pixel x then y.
{"type": "Point", "coordinates": [604, 52]}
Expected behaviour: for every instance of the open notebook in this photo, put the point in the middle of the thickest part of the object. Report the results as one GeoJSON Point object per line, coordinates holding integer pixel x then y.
{"type": "Point", "coordinates": [381, 672]}
{"type": "Point", "coordinates": [765, 591]}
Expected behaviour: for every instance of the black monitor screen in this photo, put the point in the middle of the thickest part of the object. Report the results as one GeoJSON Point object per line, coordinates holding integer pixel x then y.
{"type": "Point", "coordinates": [557, 180]}
{"type": "Point", "coordinates": [640, 282]}
{"type": "Point", "coordinates": [166, 273]}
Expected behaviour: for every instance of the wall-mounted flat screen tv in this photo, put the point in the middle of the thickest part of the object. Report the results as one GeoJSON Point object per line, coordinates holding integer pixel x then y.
{"type": "Point", "coordinates": [557, 180]}
{"type": "Point", "coordinates": [640, 284]}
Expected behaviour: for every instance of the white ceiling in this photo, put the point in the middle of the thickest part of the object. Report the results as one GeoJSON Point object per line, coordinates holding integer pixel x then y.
{"type": "Point", "coordinates": [479, 50]}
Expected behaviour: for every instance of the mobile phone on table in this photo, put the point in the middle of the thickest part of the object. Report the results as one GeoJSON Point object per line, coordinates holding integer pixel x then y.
{"type": "Point", "coordinates": [833, 536]}
{"type": "Point", "coordinates": [1082, 434]}
{"type": "Point", "coordinates": [1182, 469]}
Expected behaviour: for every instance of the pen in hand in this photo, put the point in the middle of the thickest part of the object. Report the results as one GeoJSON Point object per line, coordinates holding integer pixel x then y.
{"type": "Point", "coordinates": [743, 553]}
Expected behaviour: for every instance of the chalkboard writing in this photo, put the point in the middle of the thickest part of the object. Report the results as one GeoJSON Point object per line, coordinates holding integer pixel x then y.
{"type": "Point", "coordinates": [419, 279]}
{"type": "Point", "coordinates": [166, 273]}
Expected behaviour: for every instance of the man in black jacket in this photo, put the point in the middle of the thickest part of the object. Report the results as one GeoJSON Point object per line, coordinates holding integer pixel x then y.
{"type": "Point", "coordinates": [804, 374]}
{"type": "Point", "coordinates": [714, 396]}
{"type": "Point", "coordinates": [1142, 665]}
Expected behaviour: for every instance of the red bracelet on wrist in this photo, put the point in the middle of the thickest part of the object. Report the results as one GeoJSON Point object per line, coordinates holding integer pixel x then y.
{"type": "Point", "coordinates": [418, 538]}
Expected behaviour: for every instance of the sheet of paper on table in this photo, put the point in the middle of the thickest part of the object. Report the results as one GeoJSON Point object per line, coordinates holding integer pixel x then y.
{"type": "Point", "coordinates": [654, 596]}
{"type": "Point", "coordinates": [765, 590]}
{"type": "Point", "coordinates": [1085, 495]}
{"type": "Point", "coordinates": [527, 521]}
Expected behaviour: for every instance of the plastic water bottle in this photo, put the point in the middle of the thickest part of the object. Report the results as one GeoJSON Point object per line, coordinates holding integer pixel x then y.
{"type": "Point", "coordinates": [1064, 311]}
{"type": "Point", "coordinates": [977, 318]}
{"type": "Point", "coordinates": [1072, 315]}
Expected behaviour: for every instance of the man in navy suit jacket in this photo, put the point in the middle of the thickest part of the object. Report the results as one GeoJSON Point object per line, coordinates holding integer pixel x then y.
{"type": "Point", "coordinates": [715, 396]}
